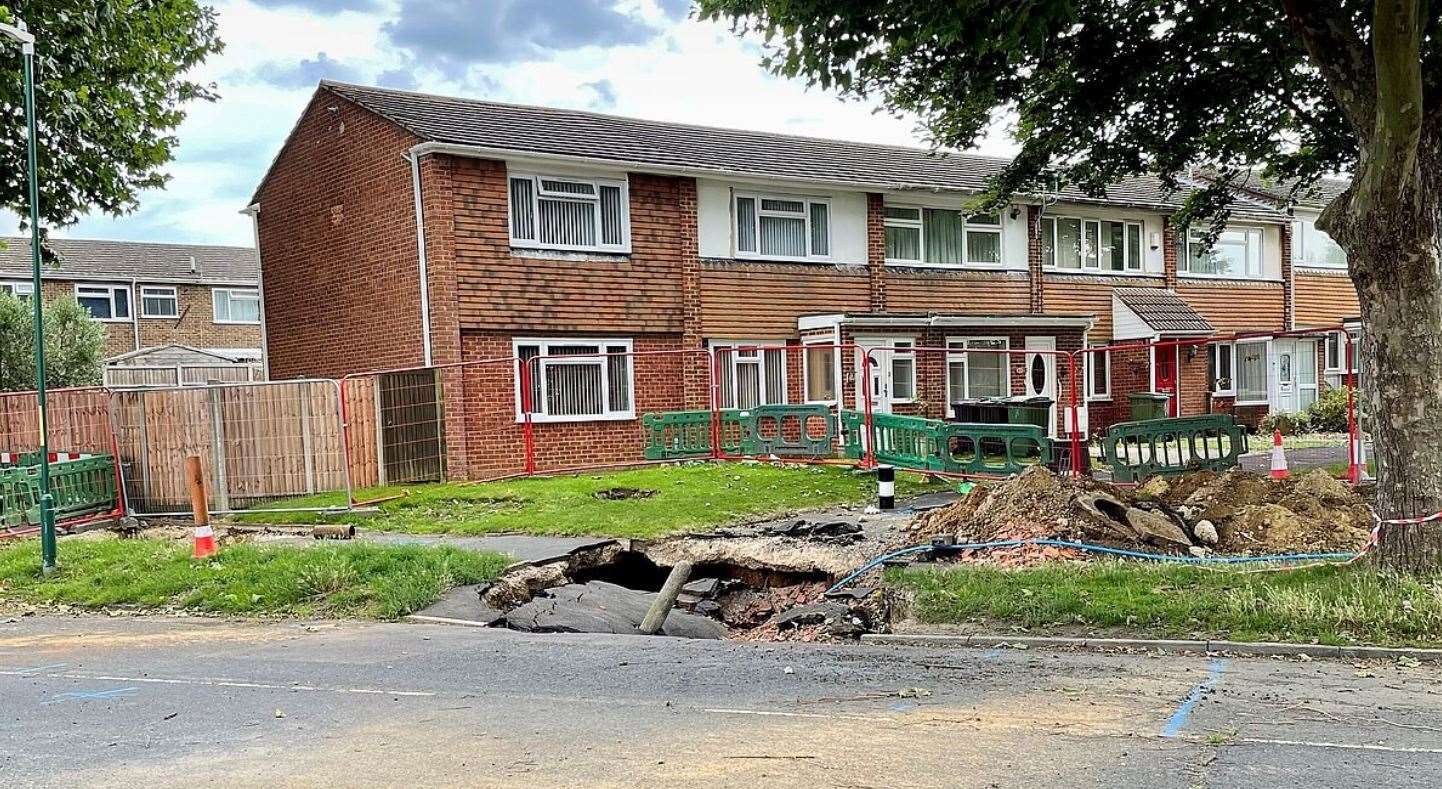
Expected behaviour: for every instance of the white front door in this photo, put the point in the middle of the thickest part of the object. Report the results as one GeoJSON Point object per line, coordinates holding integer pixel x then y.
{"type": "Point", "coordinates": [1294, 374]}
{"type": "Point", "coordinates": [874, 381]}
{"type": "Point", "coordinates": [1041, 374]}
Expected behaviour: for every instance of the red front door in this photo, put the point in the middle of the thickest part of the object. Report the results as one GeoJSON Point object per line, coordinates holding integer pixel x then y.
{"type": "Point", "coordinates": [1167, 377]}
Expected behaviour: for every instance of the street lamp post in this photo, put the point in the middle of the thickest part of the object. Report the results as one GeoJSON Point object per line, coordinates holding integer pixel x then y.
{"type": "Point", "coordinates": [47, 502]}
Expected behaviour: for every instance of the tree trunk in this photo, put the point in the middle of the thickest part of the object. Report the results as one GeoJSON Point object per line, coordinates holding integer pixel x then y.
{"type": "Point", "coordinates": [1392, 251]}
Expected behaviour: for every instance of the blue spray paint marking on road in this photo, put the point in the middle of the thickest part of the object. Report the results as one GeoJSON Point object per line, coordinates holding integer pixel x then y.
{"type": "Point", "coordinates": [92, 695]}
{"type": "Point", "coordinates": [1179, 718]}
{"type": "Point", "coordinates": [30, 671]}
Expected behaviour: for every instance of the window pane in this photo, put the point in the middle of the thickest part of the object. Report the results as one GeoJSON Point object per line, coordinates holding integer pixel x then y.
{"type": "Point", "coordinates": [1318, 248]}
{"type": "Point", "coordinates": [820, 230]}
{"type": "Point", "coordinates": [1068, 243]}
{"type": "Point", "coordinates": [1048, 242]}
{"type": "Point", "coordinates": [955, 380]}
{"type": "Point", "coordinates": [1100, 362]}
{"type": "Point", "coordinates": [985, 371]}
{"type": "Point", "coordinates": [122, 303]}
{"type": "Point", "coordinates": [820, 374]}
{"type": "Point", "coordinates": [1134, 247]}
{"type": "Point", "coordinates": [523, 219]}
{"type": "Point", "coordinates": [1091, 247]}
{"type": "Point", "coordinates": [158, 304]}
{"type": "Point", "coordinates": [783, 236]}
{"type": "Point", "coordinates": [945, 235]}
{"type": "Point", "coordinates": [775, 377]}
{"type": "Point", "coordinates": [1114, 248]}
{"type": "Point", "coordinates": [892, 212]}
{"type": "Point", "coordinates": [573, 389]}
{"type": "Point", "coordinates": [1251, 371]}
{"type": "Point", "coordinates": [619, 378]}
{"type": "Point", "coordinates": [903, 243]}
{"type": "Point", "coordinates": [244, 308]}
{"type": "Point", "coordinates": [903, 377]}
{"type": "Point", "coordinates": [567, 187]}
{"type": "Point", "coordinates": [567, 222]}
{"type": "Point", "coordinates": [984, 219]}
{"type": "Point", "coordinates": [725, 358]}
{"type": "Point", "coordinates": [788, 206]}
{"type": "Point", "coordinates": [526, 355]}
{"type": "Point", "coordinates": [983, 246]}
{"type": "Point", "coordinates": [99, 306]}
{"type": "Point", "coordinates": [612, 216]}
{"type": "Point", "coordinates": [748, 385]}
{"type": "Point", "coordinates": [746, 224]}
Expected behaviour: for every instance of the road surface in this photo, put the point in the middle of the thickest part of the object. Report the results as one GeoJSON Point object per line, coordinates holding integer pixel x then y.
{"type": "Point", "coordinates": [130, 702]}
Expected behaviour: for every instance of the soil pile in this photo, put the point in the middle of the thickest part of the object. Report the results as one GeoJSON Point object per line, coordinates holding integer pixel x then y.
{"type": "Point", "coordinates": [1235, 513]}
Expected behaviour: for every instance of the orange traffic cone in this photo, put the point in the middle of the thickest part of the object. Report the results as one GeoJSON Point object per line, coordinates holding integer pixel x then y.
{"type": "Point", "coordinates": [1279, 458]}
{"type": "Point", "coordinates": [204, 541]}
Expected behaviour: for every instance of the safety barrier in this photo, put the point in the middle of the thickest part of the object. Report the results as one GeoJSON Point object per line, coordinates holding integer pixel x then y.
{"type": "Point", "coordinates": [1138, 450]}
{"type": "Point", "coordinates": [788, 431]}
{"type": "Point", "coordinates": [951, 447]}
{"type": "Point", "coordinates": [678, 435]}
{"type": "Point", "coordinates": [84, 486]}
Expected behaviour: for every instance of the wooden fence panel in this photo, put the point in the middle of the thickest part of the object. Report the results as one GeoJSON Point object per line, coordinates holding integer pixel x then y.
{"type": "Point", "coordinates": [79, 421]}
{"type": "Point", "coordinates": [360, 397]}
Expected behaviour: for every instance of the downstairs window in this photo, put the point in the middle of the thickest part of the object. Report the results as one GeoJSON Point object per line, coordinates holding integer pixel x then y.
{"type": "Point", "coordinates": [576, 380]}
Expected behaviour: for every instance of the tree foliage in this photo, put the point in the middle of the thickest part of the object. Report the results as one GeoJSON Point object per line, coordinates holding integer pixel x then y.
{"type": "Point", "coordinates": [1104, 89]}
{"type": "Point", "coordinates": [74, 345]}
{"type": "Point", "coordinates": [110, 87]}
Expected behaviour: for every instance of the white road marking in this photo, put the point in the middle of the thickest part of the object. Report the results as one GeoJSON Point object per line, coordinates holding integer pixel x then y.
{"type": "Point", "coordinates": [1349, 746]}
{"type": "Point", "coordinates": [217, 683]}
{"type": "Point", "coordinates": [812, 715]}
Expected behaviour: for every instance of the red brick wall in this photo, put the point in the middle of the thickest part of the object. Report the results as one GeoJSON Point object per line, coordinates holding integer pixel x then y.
{"type": "Point", "coordinates": [195, 326]}
{"type": "Point", "coordinates": [876, 250]}
{"type": "Point", "coordinates": [338, 245]}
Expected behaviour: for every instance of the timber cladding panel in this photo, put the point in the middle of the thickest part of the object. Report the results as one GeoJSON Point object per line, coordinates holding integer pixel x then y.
{"type": "Point", "coordinates": [1234, 306]}
{"type": "Point", "coordinates": [498, 289]}
{"type": "Point", "coordinates": [919, 290]}
{"type": "Point", "coordinates": [1324, 298]}
{"type": "Point", "coordinates": [1073, 294]}
{"type": "Point", "coordinates": [338, 245]}
{"type": "Point", "coordinates": [749, 300]}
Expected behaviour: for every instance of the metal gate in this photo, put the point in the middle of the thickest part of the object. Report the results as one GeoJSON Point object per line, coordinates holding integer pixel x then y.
{"type": "Point", "coordinates": [410, 426]}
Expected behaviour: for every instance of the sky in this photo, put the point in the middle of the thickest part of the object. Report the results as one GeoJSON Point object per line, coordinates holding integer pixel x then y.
{"type": "Point", "coordinates": [641, 58]}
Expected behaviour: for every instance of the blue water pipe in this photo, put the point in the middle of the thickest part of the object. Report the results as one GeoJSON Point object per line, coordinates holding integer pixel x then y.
{"type": "Point", "coordinates": [1084, 546]}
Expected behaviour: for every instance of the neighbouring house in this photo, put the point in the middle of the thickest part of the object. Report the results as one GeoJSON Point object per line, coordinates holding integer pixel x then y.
{"type": "Point", "coordinates": [173, 313]}
{"type": "Point", "coordinates": [399, 229]}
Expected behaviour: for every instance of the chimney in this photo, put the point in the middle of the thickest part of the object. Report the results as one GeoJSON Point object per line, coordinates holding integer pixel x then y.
{"type": "Point", "coordinates": [192, 264]}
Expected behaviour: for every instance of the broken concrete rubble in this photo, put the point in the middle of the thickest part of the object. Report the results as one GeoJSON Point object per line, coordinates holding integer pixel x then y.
{"type": "Point", "coordinates": [600, 607]}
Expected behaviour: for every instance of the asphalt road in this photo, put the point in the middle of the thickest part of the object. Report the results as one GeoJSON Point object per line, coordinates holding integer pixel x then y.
{"type": "Point", "coordinates": [98, 701]}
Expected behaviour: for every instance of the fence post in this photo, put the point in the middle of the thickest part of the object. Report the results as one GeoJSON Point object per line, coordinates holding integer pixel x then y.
{"type": "Point", "coordinates": [217, 448]}
{"type": "Point", "coordinates": [380, 431]}
{"type": "Point", "coordinates": [528, 429]}
{"type": "Point", "coordinates": [1074, 425]}
{"type": "Point", "coordinates": [440, 399]}
{"type": "Point", "coordinates": [1354, 439]}
{"type": "Point", "coordinates": [306, 441]}
{"type": "Point", "coordinates": [714, 364]}
{"type": "Point", "coordinates": [863, 391]}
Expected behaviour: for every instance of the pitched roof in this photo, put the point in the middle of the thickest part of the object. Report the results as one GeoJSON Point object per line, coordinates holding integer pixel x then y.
{"type": "Point", "coordinates": [1163, 310]}
{"type": "Point", "coordinates": [1315, 195]}
{"type": "Point", "coordinates": [117, 260]}
{"type": "Point", "coordinates": [705, 149]}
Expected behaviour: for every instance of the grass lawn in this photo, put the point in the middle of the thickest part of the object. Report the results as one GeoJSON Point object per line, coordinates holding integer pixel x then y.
{"type": "Point", "coordinates": [1262, 442]}
{"type": "Point", "coordinates": [1328, 605]}
{"type": "Point", "coordinates": [351, 581]}
{"type": "Point", "coordinates": [685, 497]}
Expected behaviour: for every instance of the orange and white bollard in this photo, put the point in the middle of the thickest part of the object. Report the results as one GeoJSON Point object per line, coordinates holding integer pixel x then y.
{"type": "Point", "coordinates": [204, 541]}
{"type": "Point", "coordinates": [1279, 458]}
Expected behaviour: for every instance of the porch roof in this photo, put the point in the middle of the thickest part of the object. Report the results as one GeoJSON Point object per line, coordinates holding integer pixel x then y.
{"type": "Point", "coordinates": [941, 319]}
{"type": "Point", "coordinates": [1164, 311]}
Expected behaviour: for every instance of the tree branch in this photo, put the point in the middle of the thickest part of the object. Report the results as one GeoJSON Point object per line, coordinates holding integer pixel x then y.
{"type": "Point", "coordinates": [1397, 130]}
{"type": "Point", "coordinates": [1340, 55]}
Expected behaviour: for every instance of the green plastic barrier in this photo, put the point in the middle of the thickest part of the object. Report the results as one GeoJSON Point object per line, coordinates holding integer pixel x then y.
{"type": "Point", "coordinates": [788, 430]}
{"type": "Point", "coordinates": [79, 487]}
{"type": "Point", "coordinates": [955, 447]}
{"type": "Point", "coordinates": [1141, 449]}
{"type": "Point", "coordinates": [677, 435]}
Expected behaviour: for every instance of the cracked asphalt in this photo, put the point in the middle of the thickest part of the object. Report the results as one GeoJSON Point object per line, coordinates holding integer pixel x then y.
{"type": "Point", "coordinates": [102, 701]}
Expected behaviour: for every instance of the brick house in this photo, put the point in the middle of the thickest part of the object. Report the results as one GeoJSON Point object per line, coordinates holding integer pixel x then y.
{"type": "Point", "coordinates": [547, 233]}
{"type": "Point", "coordinates": [171, 312]}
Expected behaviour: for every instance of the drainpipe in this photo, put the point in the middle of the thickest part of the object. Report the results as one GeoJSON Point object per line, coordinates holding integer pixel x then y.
{"type": "Point", "coordinates": [253, 211]}
{"type": "Point", "coordinates": [135, 311]}
{"type": "Point", "coordinates": [414, 157]}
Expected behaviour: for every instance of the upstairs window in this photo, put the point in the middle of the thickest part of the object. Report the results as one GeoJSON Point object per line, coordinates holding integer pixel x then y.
{"type": "Point", "coordinates": [1237, 253]}
{"type": "Point", "coordinates": [19, 290]}
{"type": "Point", "coordinates": [1103, 245]}
{"type": "Point", "coordinates": [1312, 247]}
{"type": "Point", "coordinates": [576, 380]}
{"type": "Point", "coordinates": [105, 302]}
{"type": "Point", "coordinates": [236, 305]}
{"type": "Point", "coordinates": [941, 237]}
{"type": "Point", "coordinates": [564, 213]}
{"type": "Point", "coordinates": [786, 228]}
{"type": "Point", "coordinates": [159, 302]}
{"type": "Point", "coordinates": [1335, 360]}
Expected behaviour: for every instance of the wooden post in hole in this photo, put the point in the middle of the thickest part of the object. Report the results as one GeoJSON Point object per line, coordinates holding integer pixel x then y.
{"type": "Point", "coordinates": [195, 479]}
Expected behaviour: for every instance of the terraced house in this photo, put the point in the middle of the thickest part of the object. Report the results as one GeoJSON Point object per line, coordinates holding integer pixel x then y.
{"type": "Point", "coordinates": [174, 314]}
{"type": "Point", "coordinates": [400, 229]}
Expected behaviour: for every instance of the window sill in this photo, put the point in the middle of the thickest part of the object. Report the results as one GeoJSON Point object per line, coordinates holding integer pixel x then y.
{"type": "Point", "coordinates": [112, 320]}
{"type": "Point", "coordinates": [1090, 272]}
{"type": "Point", "coordinates": [547, 253]}
{"type": "Point", "coordinates": [1099, 398]}
{"type": "Point", "coordinates": [825, 261]}
{"type": "Point", "coordinates": [1250, 403]}
{"type": "Point", "coordinates": [236, 323]}
{"type": "Point", "coordinates": [951, 266]}
{"type": "Point", "coordinates": [1218, 395]}
{"type": "Point", "coordinates": [1228, 278]}
{"type": "Point", "coordinates": [1320, 268]}
{"type": "Point", "coordinates": [159, 317]}
{"type": "Point", "coordinates": [542, 419]}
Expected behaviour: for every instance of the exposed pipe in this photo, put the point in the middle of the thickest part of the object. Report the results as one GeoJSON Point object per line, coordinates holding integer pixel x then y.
{"type": "Point", "coordinates": [415, 159]}
{"type": "Point", "coordinates": [253, 211]}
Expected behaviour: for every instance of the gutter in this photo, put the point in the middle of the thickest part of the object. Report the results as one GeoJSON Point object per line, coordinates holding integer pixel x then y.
{"type": "Point", "coordinates": [253, 211]}
{"type": "Point", "coordinates": [415, 159]}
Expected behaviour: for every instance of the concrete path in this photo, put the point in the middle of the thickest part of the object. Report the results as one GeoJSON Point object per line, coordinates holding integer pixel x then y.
{"type": "Point", "coordinates": [160, 702]}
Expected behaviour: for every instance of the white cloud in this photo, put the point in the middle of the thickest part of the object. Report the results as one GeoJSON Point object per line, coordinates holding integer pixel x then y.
{"type": "Point", "coordinates": [689, 72]}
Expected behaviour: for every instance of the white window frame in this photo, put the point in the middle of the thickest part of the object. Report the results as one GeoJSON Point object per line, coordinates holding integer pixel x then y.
{"type": "Point", "coordinates": [806, 370]}
{"type": "Point", "coordinates": [954, 353]}
{"type": "Point", "coordinates": [108, 292]}
{"type": "Point", "coordinates": [1266, 371]}
{"type": "Point", "coordinates": [160, 292]}
{"type": "Point", "coordinates": [806, 200]}
{"type": "Point", "coordinates": [596, 182]}
{"type": "Point", "coordinates": [543, 345]}
{"type": "Point", "coordinates": [230, 294]}
{"type": "Point", "coordinates": [1130, 267]}
{"type": "Point", "coordinates": [19, 289]}
{"type": "Point", "coordinates": [894, 351]}
{"type": "Point", "coordinates": [1195, 238]}
{"type": "Point", "coordinates": [1334, 340]}
{"type": "Point", "coordinates": [967, 228]}
{"type": "Point", "coordinates": [1092, 354]}
{"type": "Point", "coordinates": [1300, 247]}
{"type": "Point", "coordinates": [756, 350]}
{"type": "Point", "coordinates": [1231, 372]}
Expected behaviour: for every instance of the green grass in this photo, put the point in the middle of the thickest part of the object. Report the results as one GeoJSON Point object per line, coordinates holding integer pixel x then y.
{"type": "Point", "coordinates": [1328, 605]}
{"type": "Point", "coordinates": [687, 497]}
{"type": "Point", "coordinates": [351, 581]}
{"type": "Point", "coordinates": [1262, 442]}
